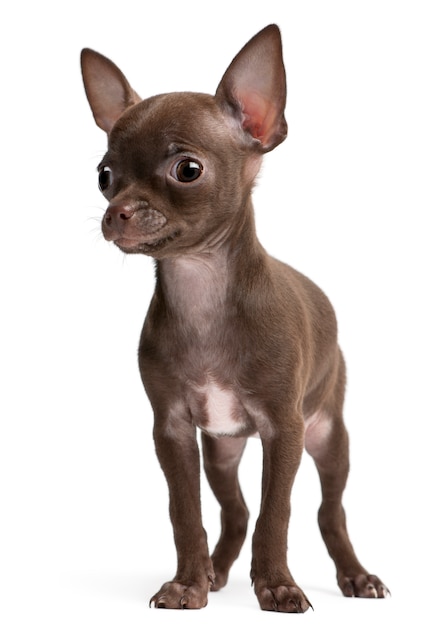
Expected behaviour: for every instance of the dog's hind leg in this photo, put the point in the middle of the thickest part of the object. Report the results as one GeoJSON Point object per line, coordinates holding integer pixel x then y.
{"type": "Point", "coordinates": [221, 460]}
{"type": "Point", "coordinates": [326, 440]}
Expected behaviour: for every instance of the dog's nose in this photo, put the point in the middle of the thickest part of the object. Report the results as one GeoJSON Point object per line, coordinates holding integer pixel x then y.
{"type": "Point", "coordinates": [116, 218]}
{"type": "Point", "coordinates": [117, 213]}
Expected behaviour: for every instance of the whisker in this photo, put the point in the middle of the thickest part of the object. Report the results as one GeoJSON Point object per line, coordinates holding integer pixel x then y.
{"type": "Point", "coordinates": [94, 218]}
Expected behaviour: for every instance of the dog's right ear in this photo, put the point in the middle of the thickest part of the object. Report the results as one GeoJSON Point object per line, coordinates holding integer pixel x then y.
{"type": "Point", "coordinates": [107, 89]}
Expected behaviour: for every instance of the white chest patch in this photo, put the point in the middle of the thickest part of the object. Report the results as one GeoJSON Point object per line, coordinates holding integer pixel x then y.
{"type": "Point", "coordinates": [220, 408]}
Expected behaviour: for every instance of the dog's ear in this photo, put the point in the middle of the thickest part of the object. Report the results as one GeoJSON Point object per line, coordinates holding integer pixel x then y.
{"type": "Point", "coordinates": [253, 89]}
{"type": "Point", "coordinates": [107, 89]}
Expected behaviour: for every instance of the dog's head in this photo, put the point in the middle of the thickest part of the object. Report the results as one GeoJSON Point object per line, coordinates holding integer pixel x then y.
{"type": "Point", "coordinates": [180, 166]}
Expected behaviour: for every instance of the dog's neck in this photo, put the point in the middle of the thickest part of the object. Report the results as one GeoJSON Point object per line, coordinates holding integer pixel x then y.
{"type": "Point", "coordinates": [195, 285]}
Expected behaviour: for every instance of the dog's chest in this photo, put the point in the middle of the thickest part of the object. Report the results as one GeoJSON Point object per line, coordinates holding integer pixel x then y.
{"type": "Point", "coordinates": [196, 289]}
{"type": "Point", "coordinates": [216, 409]}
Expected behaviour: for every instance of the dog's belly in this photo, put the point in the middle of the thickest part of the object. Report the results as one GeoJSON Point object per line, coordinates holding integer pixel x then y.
{"type": "Point", "coordinates": [217, 410]}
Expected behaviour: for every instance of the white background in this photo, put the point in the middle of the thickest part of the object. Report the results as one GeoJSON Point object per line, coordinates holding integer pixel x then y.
{"type": "Point", "coordinates": [84, 530]}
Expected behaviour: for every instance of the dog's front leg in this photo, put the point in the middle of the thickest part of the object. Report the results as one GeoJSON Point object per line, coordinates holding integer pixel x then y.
{"type": "Point", "coordinates": [273, 584]}
{"type": "Point", "coordinates": [178, 453]}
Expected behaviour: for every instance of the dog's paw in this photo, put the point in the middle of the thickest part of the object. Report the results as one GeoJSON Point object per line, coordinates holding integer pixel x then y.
{"type": "Point", "coordinates": [220, 580]}
{"type": "Point", "coordinates": [363, 586]}
{"type": "Point", "coordinates": [178, 595]}
{"type": "Point", "coordinates": [282, 598]}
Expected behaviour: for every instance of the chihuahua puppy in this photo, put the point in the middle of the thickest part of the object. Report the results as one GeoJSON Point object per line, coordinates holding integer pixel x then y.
{"type": "Point", "coordinates": [235, 342]}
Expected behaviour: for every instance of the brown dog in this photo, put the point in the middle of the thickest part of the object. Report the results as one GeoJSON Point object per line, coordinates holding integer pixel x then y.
{"type": "Point", "coordinates": [235, 342]}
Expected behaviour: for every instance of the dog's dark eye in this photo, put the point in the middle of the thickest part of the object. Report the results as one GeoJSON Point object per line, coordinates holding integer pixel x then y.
{"type": "Point", "coordinates": [105, 177]}
{"type": "Point", "coordinates": [187, 170]}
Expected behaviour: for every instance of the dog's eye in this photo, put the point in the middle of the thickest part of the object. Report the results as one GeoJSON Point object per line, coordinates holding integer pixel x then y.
{"type": "Point", "coordinates": [187, 170]}
{"type": "Point", "coordinates": [105, 177]}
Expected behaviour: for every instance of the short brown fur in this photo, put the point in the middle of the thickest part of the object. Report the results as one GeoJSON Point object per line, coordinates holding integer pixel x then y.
{"type": "Point", "coordinates": [234, 342]}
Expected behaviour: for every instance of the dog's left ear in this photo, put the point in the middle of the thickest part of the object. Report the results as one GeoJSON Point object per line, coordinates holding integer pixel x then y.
{"type": "Point", "coordinates": [253, 89]}
{"type": "Point", "coordinates": [107, 89]}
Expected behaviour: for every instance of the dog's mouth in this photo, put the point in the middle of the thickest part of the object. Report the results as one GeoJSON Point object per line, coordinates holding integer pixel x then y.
{"type": "Point", "coordinates": [132, 246]}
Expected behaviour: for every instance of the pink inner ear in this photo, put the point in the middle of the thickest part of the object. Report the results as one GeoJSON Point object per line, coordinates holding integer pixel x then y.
{"type": "Point", "coordinates": [258, 115]}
